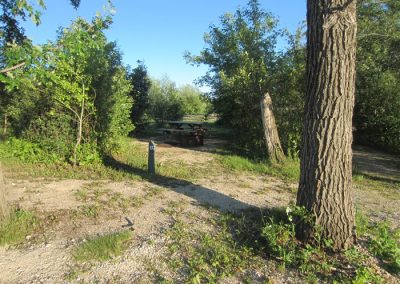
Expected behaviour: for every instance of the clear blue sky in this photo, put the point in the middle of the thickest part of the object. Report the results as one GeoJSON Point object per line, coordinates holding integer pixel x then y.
{"type": "Point", "coordinates": [159, 31]}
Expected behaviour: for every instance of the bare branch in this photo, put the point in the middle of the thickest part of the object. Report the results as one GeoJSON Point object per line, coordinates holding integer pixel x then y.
{"type": "Point", "coordinates": [6, 70]}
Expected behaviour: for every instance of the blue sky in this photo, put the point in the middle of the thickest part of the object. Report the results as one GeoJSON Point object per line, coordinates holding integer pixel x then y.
{"type": "Point", "coordinates": [160, 31]}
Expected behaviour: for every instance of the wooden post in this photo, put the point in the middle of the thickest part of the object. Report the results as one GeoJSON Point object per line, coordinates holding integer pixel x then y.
{"type": "Point", "coordinates": [152, 158]}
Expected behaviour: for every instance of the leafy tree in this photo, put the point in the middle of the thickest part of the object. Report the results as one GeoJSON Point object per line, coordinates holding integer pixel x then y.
{"type": "Point", "coordinates": [289, 88]}
{"type": "Point", "coordinates": [241, 56]}
{"type": "Point", "coordinates": [377, 109]}
{"type": "Point", "coordinates": [81, 86]}
{"type": "Point", "coordinates": [12, 10]}
{"type": "Point", "coordinates": [140, 93]}
{"type": "Point", "coordinates": [192, 99]}
{"type": "Point", "coordinates": [164, 101]}
{"type": "Point", "coordinates": [326, 157]}
{"type": "Point", "coordinates": [113, 103]}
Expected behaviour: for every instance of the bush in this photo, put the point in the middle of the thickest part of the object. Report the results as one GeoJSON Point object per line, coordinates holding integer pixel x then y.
{"type": "Point", "coordinates": [26, 151]}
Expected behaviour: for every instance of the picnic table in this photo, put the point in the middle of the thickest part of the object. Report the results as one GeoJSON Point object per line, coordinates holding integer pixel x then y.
{"type": "Point", "coordinates": [186, 133]}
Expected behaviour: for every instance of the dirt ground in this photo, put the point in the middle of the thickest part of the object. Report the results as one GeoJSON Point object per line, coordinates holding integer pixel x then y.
{"type": "Point", "coordinates": [47, 258]}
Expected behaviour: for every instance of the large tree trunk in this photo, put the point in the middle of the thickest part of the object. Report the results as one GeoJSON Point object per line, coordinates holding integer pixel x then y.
{"type": "Point", "coordinates": [271, 135]}
{"type": "Point", "coordinates": [4, 210]}
{"type": "Point", "coordinates": [326, 157]}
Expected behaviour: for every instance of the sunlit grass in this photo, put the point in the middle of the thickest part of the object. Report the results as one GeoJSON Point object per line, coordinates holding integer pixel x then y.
{"type": "Point", "coordinates": [19, 225]}
{"type": "Point", "coordinates": [288, 170]}
{"type": "Point", "coordinates": [103, 248]}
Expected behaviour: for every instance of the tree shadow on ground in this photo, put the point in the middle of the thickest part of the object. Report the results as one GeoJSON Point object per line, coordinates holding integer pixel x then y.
{"type": "Point", "coordinates": [199, 193]}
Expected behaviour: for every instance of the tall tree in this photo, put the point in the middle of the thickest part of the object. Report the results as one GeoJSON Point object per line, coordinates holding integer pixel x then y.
{"type": "Point", "coordinates": [241, 56]}
{"type": "Point", "coordinates": [326, 156]}
{"type": "Point", "coordinates": [164, 101]}
{"type": "Point", "coordinates": [140, 93]}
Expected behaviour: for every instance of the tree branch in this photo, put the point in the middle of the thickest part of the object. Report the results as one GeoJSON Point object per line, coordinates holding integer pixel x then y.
{"type": "Point", "coordinates": [6, 70]}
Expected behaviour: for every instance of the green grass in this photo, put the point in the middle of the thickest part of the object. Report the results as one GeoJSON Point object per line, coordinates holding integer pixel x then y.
{"type": "Point", "coordinates": [205, 257]}
{"type": "Point", "coordinates": [131, 154]}
{"type": "Point", "coordinates": [103, 248]}
{"type": "Point", "coordinates": [384, 243]}
{"type": "Point", "coordinates": [20, 225]}
{"type": "Point", "coordinates": [288, 170]}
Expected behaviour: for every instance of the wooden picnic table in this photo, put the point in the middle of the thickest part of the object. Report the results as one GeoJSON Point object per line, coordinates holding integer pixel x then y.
{"type": "Point", "coordinates": [183, 124]}
{"type": "Point", "coordinates": [186, 133]}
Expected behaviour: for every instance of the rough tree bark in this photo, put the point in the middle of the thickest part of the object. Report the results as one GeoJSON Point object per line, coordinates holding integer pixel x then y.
{"type": "Point", "coordinates": [271, 135]}
{"type": "Point", "coordinates": [326, 157]}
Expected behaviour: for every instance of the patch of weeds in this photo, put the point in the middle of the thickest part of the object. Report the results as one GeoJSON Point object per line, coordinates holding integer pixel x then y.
{"type": "Point", "coordinates": [19, 225]}
{"type": "Point", "coordinates": [103, 248]}
{"type": "Point", "coordinates": [279, 235]}
{"type": "Point", "coordinates": [206, 257]}
{"type": "Point", "coordinates": [118, 199]}
{"type": "Point", "coordinates": [81, 194]}
{"type": "Point", "coordinates": [91, 211]}
{"type": "Point", "coordinates": [362, 223]}
{"type": "Point", "coordinates": [174, 208]}
{"type": "Point", "coordinates": [136, 201]}
{"type": "Point", "coordinates": [152, 192]}
{"type": "Point", "coordinates": [366, 275]}
{"type": "Point", "coordinates": [271, 234]}
{"type": "Point", "coordinates": [384, 243]}
{"type": "Point", "coordinates": [236, 244]}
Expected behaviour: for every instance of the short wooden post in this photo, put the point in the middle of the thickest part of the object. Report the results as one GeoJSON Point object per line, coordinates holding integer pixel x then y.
{"type": "Point", "coordinates": [152, 158]}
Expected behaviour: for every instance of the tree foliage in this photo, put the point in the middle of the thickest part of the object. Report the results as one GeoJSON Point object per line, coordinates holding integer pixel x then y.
{"type": "Point", "coordinates": [14, 10]}
{"type": "Point", "coordinates": [168, 102]}
{"type": "Point", "coordinates": [243, 66]}
{"type": "Point", "coordinates": [164, 102]}
{"type": "Point", "coordinates": [140, 93]}
{"type": "Point", "coordinates": [193, 101]}
{"type": "Point", "coordinates": [289, 88]}
{"type": "Point", "coordinates": [377, 111]}
{"type": "Point", "coordinates": [76, 84]}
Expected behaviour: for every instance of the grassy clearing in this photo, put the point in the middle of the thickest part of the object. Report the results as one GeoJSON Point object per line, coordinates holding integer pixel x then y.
{"type": "Point", "coordinates": [19, 225]}
{"type": "Point", "coordinates": [390, 188]}
{"type": "Point", "coordinates": [289, 170]}
{"type": "Point", "coordinates": [103, 248]}
{"type": "Point", "coordinates": [129, 163]}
